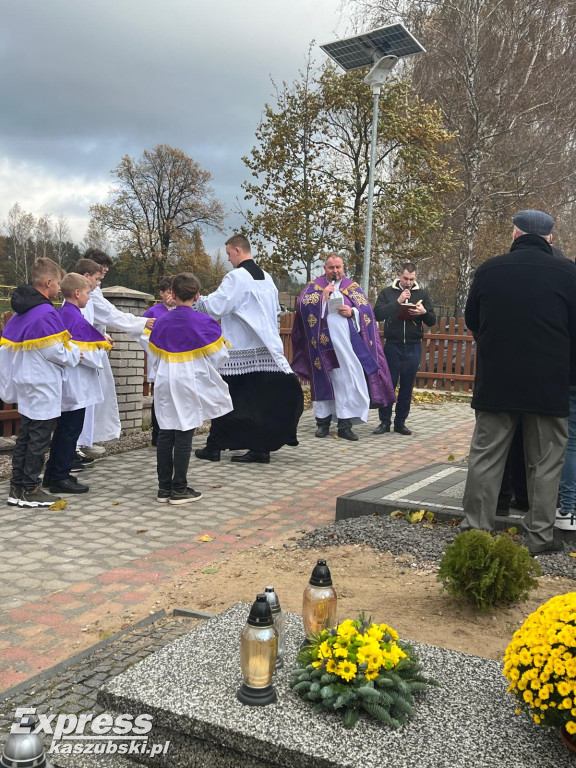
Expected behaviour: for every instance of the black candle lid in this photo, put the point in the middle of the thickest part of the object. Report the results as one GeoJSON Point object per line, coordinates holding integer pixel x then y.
{"type": "Point", "coordinates": [260, 613]}
{"type": "Point", "coordinates": [321, 575]}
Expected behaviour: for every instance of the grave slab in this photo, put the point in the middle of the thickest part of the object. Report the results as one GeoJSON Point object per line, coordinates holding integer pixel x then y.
{"type": "Point", "coordinates": [189, 687]}
{"type": "Point", "coordinates": [437, 488]}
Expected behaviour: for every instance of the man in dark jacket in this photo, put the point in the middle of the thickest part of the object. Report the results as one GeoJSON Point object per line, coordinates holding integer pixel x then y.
{"type": "Point", "coordinates": [522, 312]}
{"type": "Point", "coordinates": [403, 348]}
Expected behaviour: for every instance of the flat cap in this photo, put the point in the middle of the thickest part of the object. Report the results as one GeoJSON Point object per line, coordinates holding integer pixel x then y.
{"type": "Point", "coordinates": [534, 222]}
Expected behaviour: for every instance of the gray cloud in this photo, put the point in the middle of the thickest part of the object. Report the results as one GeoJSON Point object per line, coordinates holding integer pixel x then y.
{"type": "Point", "coordinates": [85, 83]}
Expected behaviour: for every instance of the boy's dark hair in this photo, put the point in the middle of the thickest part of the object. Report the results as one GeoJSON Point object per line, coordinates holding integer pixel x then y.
{"type": "Point", "coordinates": [185, 286]}
{"type": "Point", "coordinates": [87, 266]}
{"type": "Point", "coordinates": [45, 268]}
{"type": "Point", "coordinates": [95, 254]}
{"type": "Point", "coordinates": [407, 267]}
{"type": "Point", "coordinates": [166, 283]}
{"type": "Point", "coordinates": [239, 241]}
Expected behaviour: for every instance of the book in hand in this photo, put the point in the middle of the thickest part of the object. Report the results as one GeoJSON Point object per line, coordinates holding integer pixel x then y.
{"type": "Point", "coordinates": [404, 313]}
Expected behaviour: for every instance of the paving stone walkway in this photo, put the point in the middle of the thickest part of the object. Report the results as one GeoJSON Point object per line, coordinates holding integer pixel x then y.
{"type": "Point", "coordinates": [106, 553]}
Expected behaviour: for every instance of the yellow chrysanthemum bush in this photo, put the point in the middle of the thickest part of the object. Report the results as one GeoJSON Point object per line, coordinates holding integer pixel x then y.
{"type": "Point", "coordinates": [356, 667]}
{"type": "Point", "coordinates": [540, 664]}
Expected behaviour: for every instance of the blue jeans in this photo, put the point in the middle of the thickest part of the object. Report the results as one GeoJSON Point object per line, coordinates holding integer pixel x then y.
{"type": "Point", "coordinates": [568, 477]}
{"type": "Point", "coordinates": [403, 362]}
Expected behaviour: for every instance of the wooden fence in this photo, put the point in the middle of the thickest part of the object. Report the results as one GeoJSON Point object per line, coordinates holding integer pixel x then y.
{"type": "Point", "coordinates": [448, 361]}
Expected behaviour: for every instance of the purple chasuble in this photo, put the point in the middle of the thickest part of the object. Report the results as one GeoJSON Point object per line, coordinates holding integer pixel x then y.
{"type": "Point", "coordinates": [313, 353]}
{"type": "Point", "coordinates": [80, 329]}
{"type": "Point", "coordinates": [183, 334]}
{"type": "Point", "coordinates": [156, 310]}
{"type": "Point", "coordinates": [41, 326]}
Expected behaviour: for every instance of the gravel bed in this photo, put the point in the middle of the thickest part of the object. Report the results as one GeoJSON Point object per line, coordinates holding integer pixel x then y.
{"type": "Point", "coordinates": [418, 547]}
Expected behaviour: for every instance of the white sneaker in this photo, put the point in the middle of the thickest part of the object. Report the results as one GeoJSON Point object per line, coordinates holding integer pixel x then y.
{"type": "Point", "coordinates": [565, 521]}
{"type": "Point", "coordinates": [96, 451]}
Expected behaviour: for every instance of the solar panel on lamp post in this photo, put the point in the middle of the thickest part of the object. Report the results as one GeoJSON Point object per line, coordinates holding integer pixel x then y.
{"type": "Point", "coordinates": [382, 48]}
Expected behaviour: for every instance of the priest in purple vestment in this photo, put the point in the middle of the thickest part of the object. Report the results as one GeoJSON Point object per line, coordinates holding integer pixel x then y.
{"type": "Point", "coordinates": [337, 348]}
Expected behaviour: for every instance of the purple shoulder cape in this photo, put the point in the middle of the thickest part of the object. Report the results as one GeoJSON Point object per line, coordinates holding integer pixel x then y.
{"type": "Point", "coordinates": [83, 334]}
{"type": "Point", "coordinates": [156, 310]}
{"type": "Point", "coordinates": [313, 353]}
{"type": "Point", "coordinates": [183, 334]}
{"type": "Point", "coordinates": [38, 328]}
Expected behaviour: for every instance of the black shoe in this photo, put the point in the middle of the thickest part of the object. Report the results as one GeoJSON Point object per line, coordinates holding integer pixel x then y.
{"type": "Point", "coordinates": [402, 430]}
{"type": "Point", "coordinates": [85, 461]}
{"type": "Point", "coordinates": [206, 453]}
{"type": "Point", "coordinates": [163, 496]}
{"type": "Point", "coordinates": [185, 496]}
{"type": "Point", "coordinates": [77, 466]}
{"type": "Point", "coordinates": [345, 430]}
{"type": "Point", "coordinates": [252, 457]}
{"type": "Point", "coordinates": [502, 511]}
{"type": "Point", "coordinates": [345, 433]}
{"type": "Point", "coordinates": [68, 485]}
{"type": "Point", "coordinates": [381, 429]}
{"type": "Point", "coordinates": [521, 506]}
{"type": "Point", "coordinates": [323, 426]}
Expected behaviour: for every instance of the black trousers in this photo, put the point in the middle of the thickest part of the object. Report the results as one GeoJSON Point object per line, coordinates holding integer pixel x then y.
{"type": "Point", "coordinates": [155, 425]}
{"type": "Point", "coordinates": [28, 456]}
{"type": "Point", "coordinates": [172, 458]}
{"type": "Point", "coordinates": [63, 446]}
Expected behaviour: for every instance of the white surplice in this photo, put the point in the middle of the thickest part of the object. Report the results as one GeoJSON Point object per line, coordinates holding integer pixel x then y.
{"type": "Point", "coordinates": [188, 393]}
{"type": "Point", "coordinates": [104, 422]}
{"type": "Point", "coordinates": [248, 310]}
{"type": "Point", "coordinates": [351, 396]}
{"type": "Point", "coordinates": [36, 377]}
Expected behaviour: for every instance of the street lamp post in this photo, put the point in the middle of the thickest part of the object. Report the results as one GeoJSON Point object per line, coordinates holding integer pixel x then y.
{"type": "Point", "coordinates": [381, 48]}
{"type": "Point", "coordinates": [376, 78]}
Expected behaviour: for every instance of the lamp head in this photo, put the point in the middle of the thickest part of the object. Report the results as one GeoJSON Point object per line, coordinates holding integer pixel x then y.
{"type": "Point", "coordinates": [380, 71]}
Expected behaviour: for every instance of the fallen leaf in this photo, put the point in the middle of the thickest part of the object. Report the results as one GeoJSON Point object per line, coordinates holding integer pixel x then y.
{"type": "Point", "coordinates": [210, 570]}
{"type": "Point", "coordinates": [396, 513]}
{"type": "Point", "coordinates": [451, 456]}
{"type": "Point", "coordinates": [60, 504]}
{"type": "Point", "coordinates": [115, 503]}
{"type": "Point", "coordinates": [415, 517]}
{"type": "Point", "coordinates": [217, 486]}
{"type": "Point", "coordinates": [572, 554]}
{"type": "Point", "coordinates": [512, 530]}
{"type": "Point", "coordinates": [142, 530]}
{"type": "Point", "coordinates": [428, 525]}
{"type": "Point", "coordinates": [429, 516]}
{"type": "Point", "coordinates": [205, 537]}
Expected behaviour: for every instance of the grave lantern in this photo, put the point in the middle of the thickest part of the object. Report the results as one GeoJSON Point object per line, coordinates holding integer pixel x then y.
{"type": "Point", "coordinates": [258, 654]}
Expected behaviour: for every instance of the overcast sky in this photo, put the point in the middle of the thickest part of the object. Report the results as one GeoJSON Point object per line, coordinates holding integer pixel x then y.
{"type": "Point", "coordinates": [84, 83]}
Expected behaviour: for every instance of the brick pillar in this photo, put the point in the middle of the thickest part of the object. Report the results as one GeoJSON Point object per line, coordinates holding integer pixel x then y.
{"type": "Point", "coordinates": [127, 358]}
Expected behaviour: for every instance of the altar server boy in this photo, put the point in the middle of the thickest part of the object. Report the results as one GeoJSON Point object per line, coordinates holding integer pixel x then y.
{"type": "Point", "coordinates": [106, 424]}
{"type": "Point", "coordinates": [34, 350]}
{"type": "Point", "coordinates": [81, 388]}
{"type": "Point", "coordinates": [187, 348]}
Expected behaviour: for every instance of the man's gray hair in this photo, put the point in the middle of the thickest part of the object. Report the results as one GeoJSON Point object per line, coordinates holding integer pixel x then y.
{"type": "Point", "coordinates": [333, 255]}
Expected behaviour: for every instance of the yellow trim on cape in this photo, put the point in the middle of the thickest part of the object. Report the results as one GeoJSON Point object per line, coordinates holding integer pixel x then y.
{"type": "Point", "coordinates": [147, 331]}
{"type": "Point", "coordinates": [92, 344]}
{"type": "Point", "coordinates": [192, 354]}
{"type": "Point", "coordinates": [46, 341]}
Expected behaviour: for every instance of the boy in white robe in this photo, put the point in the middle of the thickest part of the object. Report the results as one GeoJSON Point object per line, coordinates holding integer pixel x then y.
{"type": "Point", "coordinates": [188, 348]}
{"type": "Point", "coordinates": [81, 387]}
{"type": "Point", "coordinates": [157, 310]}
{"type": "Point", "coordinates": [34, 349]}
{"type": "Point", "coordinates": [106, 415]}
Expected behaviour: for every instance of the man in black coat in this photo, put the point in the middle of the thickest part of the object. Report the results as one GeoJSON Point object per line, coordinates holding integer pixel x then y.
{"type": "Point", "coordinates": [522, 312]}
{"type": "Point", "coordinates": [403, 348]}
